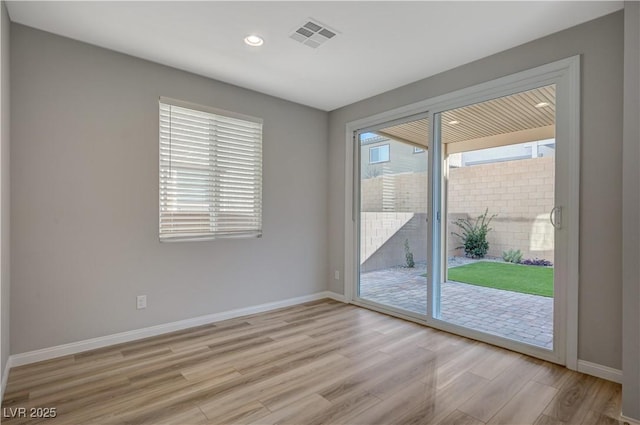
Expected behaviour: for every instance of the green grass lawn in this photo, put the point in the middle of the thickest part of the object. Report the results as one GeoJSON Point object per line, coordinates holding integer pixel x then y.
{"type": "Point", "coordinates": [534, 280]}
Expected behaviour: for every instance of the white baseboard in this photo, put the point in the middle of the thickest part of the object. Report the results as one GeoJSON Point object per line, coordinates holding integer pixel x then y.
{"type": "Point", "coordinates": [600, 371]}
{"type": "Point", "coordinates": [336, 296]}
{"type": "Point", "coordinates": [630, 421]}
{"type": "Point", "coordinates": [5, 377]}
{"type": "Point", "coordinates": [119, 338]}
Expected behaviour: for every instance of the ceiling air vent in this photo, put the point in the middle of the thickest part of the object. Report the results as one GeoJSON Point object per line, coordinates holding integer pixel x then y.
{"type": "Point", "coordinates": [313, 34]}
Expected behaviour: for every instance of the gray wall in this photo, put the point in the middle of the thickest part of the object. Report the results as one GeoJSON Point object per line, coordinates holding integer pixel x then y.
{"type": "Point", "coordinates": [601, 44]}
{"type": "Point", "coordinates": [5, 210]}
{"type": "Point", "coordinates": [631, 214]}
{"type": "Point", "coordinates": [84, 182]}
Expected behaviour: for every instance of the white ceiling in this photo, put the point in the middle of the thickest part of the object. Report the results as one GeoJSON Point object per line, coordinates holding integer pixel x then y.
{"type": "Point", "coordinates": [381, 45]}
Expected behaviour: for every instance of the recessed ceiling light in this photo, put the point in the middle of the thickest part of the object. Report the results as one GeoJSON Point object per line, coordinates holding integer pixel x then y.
{"type": "Point", "coordinates": [454, 122]}
{"type": "Point", "coordinates": [254, 40]}
{"type": "Point", "coordinates": [542, 104]}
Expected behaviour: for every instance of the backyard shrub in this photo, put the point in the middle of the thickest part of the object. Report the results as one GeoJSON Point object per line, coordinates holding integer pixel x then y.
{"type": "Point", "coordinates": [512, 256]}
{"type": "Point", "coordinates": [474, 234]}
{"type": "Point", "coordinates": [408, 255]}
{"type": "Point", "coordinates": [536, 262]}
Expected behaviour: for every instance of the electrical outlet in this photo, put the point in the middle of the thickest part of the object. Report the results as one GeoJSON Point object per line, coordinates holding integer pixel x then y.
{"type": "Point", "coordinates": [336, 275]}
{"type": "Point", "coordinates": [141, 302]}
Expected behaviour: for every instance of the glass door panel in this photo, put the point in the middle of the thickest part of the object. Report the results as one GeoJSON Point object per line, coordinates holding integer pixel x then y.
{"type": "Point", "coordinates": [392, 217]}
{"type": "Point", "coordinates": [498, 194]}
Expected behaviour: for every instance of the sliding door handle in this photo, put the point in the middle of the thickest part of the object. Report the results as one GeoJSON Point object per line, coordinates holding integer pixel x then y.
{"type": "Point", "coordinates": [555, 217]}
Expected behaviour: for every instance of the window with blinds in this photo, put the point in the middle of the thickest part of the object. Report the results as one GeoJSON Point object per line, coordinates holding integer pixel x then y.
{"type": "Point", "coordinates": [210, 173]}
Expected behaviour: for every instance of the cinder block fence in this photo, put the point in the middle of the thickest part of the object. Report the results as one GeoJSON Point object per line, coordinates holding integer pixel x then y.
{"type": "Point", "coordinates": [521, 193]}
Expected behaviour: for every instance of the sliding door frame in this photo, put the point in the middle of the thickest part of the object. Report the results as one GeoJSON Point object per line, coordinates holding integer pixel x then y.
{"type": "Point", "coordinates": [565, 74]}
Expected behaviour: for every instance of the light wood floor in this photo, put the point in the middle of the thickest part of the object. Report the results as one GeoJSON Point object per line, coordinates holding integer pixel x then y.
{"type": "Point", "coordinates": [318, 363]}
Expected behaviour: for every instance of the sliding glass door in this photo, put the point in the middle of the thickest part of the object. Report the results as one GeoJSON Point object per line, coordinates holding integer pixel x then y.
{"type": "Point", "coordinates": [392, 217]}
{"type": "Point", "coordinates": [496, 253]}
{"type": "Point", "coordinates": [465, 218]}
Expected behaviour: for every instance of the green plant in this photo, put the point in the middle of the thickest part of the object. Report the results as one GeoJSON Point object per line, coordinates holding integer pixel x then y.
{"type": "Point", "coordinates": [474, 234]}
{"type": "Point", "coordinates": [512, 256]}
{"type": "Point", "coordinates": [537, 262]}
{"type": "Point", "coordinates": [408, 255]}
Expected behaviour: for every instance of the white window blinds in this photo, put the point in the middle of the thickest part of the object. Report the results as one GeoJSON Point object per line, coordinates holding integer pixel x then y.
{"type": "Point", "coordinates": [210, 173]}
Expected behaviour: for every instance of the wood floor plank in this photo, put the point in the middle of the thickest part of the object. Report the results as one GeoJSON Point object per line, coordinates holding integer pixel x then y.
{"type": "Point", "coordinates": [314, 363]}
{"type": "Point", "coordinates": [340, 409]}
{"type": "Point", "coordinates": [461, 363]}
{"type": "Point", "coordinates": [73, 374]}
{"type": "Point", "coordinates": [526, 405]}
{"type": "Point", "coordinates": [283, 395]}
{"type": "Point", "coordinates": [228, 336]}
{"type": "Point", "coordinates": [59, 397]}
{"type": "Point", "coordinates": [251, 356]}
{"type": "Point", "coordinates": [419, 335]}
{"type": "Point", "coordinates": [359, 381]}
{"type": "Point", "coordinates": [548, 420]}
{"type": "Point", "coordinates": [421, 402]}
{"type": "Point", "coordinates": [168, 416]}
{"type": "Point", "coordinates": [552, 374]}
{"type": "Point", "coordinates": [363, 344]}
{"type": "Point", "coordinates": [21, 372]}
{"type": "Point", "coordinates": [171, 397]}
{"type": "Point", "coordinates": [445, 400]}
{"type": "Point", "coordinates": [500, 390]}
{"type": "Point", "coordinates": [206, 332]}
{"type": "Point", "coordinates": [244, 394]}
{"type": "Point", "coordinates": [494, 363]}
{"type": "Point", "coordinates": [459, 418]}
{"type": "Point", "coordinates": [239, 414]}
{"type": "Point", "coordinates": [416, 365]}
{"type": "Point", "coordinates": [571, 403]}
{"type": "Point", "coordinates": [291, 413]}
{"type": "Point", "coordinates": [413, 397]}
{"type": "Point", "coordinates": [607, 399]}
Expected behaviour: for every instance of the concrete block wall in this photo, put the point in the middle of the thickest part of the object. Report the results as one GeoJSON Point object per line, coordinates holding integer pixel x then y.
{"type": "Point", "coordinates": [521, 193]}
{"type": "Point", "coordinates": [402, 192]}
{"type": "Point", "coordinates": [454, 242]}
{"type": "Point", "coordinates": [392, 252]}
{"type": "Point", "coordinates": [377, 228]}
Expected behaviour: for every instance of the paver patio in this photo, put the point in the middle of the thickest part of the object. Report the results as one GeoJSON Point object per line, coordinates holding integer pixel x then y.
{"type": "Point", "coordinates": [522, 317]}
